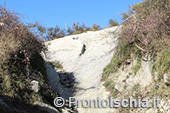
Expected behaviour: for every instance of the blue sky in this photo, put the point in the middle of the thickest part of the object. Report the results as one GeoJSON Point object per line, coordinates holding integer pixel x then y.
{"type": "Point", "coordinates": [56, 12]}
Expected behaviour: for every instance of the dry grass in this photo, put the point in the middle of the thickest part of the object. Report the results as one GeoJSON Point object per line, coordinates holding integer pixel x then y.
{"type": "Point", "coordinates": [20, 59]}
{"type": "Point", "coordinates": [145, 35]}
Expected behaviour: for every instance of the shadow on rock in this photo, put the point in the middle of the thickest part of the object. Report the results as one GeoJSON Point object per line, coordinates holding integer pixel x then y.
{"type": "Point", "coordinates": [61, 82]}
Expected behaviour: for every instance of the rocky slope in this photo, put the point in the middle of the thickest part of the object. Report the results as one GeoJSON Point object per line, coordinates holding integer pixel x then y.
{"type": "Point", "coordinates": [85, 55]}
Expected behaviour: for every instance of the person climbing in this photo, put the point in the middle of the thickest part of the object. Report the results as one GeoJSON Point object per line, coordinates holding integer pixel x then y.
{"type": "Point", "coordinates": [83, 49]}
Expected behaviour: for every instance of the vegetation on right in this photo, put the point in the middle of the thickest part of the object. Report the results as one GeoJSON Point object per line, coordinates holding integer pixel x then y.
{"type": "Point", "coordinates": [145, 35]}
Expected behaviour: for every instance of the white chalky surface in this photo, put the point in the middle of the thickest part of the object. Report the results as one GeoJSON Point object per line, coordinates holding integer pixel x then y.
{"type": "Point", "coordinates": [88, 67]}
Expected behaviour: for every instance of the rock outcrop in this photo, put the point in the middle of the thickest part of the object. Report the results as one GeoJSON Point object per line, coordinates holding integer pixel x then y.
{"type": "Point", "coordinates": [85, 57]}
{"type": "Point", "coordinates": [35, 86]}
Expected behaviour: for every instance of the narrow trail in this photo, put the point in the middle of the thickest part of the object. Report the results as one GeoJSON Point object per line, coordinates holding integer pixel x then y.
{"type": "Point", "coordinates": [85, 55]}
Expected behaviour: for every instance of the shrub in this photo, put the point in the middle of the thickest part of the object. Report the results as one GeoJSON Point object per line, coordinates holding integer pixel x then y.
{"type": "Point", "coordinates": [20, 59]}
{"type": "Point", "coordinates": [54, 33]}
{"type": "Point", "coordinates": [148, 30]}
{"type": "Point", "coordinates": [95, 27]}
{"type": "Point", "coordinates": [145, 33]}
{"type": "Point", "coordinates": [137, 67]}
{"type": "Point", "coordinates": [112, 23]}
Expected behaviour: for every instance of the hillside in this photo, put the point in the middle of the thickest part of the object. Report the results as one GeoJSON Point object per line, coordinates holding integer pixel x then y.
{"type": "Point", "coordinates": [134, 60]}
{"type": "Point", "coordinates": [87, 67]}
{"type": "Point", "coordinates": [128, 64]}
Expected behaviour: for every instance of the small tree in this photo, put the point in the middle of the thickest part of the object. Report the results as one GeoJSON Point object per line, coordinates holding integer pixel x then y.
{"type": "Point", "coordinates": [95, 27]}
{"type": "Point", "coordinates": [112, 23]}
{"type": "Point", "coordinates": [56, 32]}
{"type": "Point", "coordinates": [69, 31]}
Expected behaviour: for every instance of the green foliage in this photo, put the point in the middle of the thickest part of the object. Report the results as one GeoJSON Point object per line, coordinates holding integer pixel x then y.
{"type": "Point", "coordinates": [107, 84]}
{"type": "Point", "coordinates": [95, 27]}
{"type": "Point", "coordinates": [162, 63]}
{"type": "Point", "coordinates": [161, 91]}
{"type": "Point", "coordinates": [56, 32]}
{"type": "Point", "coordinates": [136, 87]}
{"type": "Point", "coordinates": [137, 67]}
{"type": "Point", "coordinates": [115, 94]}
{"type": "Point", "coordinates": [20, 59]}
{"type": "Point", "coordinates": [125, 87]}
{"type": "Point", "coordinates": [77, 29]}
{"type": "Point", "coordinates": [145, 34]}
{"type": "Point", "coordinates": [123, 52]}
{"type": "Point", "coordinates": [49, 33]}
{"type": "Point", "coordinates": [110, 86]}
{"type": "Point", "coordinates": [69, 31]}
{"type": "Point", "coordinates": [112, 23]}
{"type": "Point", "coordinates": [57, 64]}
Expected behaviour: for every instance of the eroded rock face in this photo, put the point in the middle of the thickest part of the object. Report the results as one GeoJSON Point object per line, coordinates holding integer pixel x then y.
{"type": "Point", "coordinates": [96, 49]}
{"type": "Point", "coordinates": [88, 67]}
{"type": "Point", "coordinates": [127, 77]}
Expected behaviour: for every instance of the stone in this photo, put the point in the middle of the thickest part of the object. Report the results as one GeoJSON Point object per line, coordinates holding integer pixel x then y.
{"type": "Point", "coordinates": [119, 87]}
{"type": "Point", "coordinates": [35, 86]}
{"type": "Point", "coordinates": [128, 61]}
{"type": "Point", "coordinates": [59, 70]}
{"type": "Point", "coordinates": [166, 79]}
{"type": "Point", "coordinates": [155, 75]}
